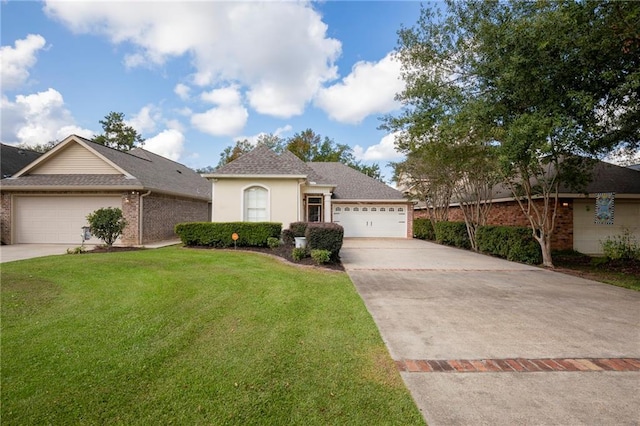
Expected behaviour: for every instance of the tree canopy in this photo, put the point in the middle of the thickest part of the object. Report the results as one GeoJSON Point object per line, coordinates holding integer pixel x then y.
{"type": "Point", "coordinates": [117, 134]}
{"type": "Point", "coordinates": [306, 145]}
{"type": "Point", "coordinates": [542, 81]}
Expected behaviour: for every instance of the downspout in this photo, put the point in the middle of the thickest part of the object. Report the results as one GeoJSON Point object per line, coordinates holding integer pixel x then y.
{"type": "Point", "coordinates": [140, 218]}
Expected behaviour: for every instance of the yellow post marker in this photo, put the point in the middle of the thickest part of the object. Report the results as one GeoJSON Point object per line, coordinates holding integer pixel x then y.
{"type": "Point", "coordinates": [234, 237]}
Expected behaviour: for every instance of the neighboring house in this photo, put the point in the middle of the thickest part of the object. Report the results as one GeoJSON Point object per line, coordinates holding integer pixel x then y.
{"type": "Point", "coordinates": [13, 159]}
{"type": "Point", "coordinates": [576, 225]}
{"type": "Point", "coordinates": [48, 200]}
{"type": "Point", "coordinates": [264, 186]}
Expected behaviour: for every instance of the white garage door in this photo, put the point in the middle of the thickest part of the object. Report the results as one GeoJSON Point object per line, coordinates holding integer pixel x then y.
{"type": "Point", "coordinates": [56, 220]}
{"type": "Point", "coordinates": [371, 220]}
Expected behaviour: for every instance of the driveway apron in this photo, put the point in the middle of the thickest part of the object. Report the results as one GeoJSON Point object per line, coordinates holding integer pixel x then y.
{"type": "Point", "coordinates": [484, 341]}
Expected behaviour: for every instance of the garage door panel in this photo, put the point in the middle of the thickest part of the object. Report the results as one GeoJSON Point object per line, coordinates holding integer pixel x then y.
{"type": "Point", "coordinates": [56, 220]}
{"type": "Point", "coordinates": [372, 220]}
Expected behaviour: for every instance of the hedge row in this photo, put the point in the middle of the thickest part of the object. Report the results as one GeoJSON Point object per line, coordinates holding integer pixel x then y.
{"type": "Point", "coordinates": [452, 234]}
{"type": "Point", "coordinates": [510, 242]}
{"type": "Point", "coordinates": [423, 229]}
{"type": "Point", "coordinates": [325, 236]}
{"type": "Point", "coordinates": [514, 243]}
{"type": "Point", "coordinates": [219, 234]}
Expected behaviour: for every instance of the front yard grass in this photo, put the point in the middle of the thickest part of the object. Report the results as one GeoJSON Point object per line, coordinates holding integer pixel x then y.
{"type": "Point", "coordinates": [185, 336]}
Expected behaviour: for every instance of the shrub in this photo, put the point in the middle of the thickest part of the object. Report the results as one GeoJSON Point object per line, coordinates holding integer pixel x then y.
{"type": "Point", "coordinates": [107, 224]}
{"type": "Point", "coordinates": [423, 229]}
{"type": "Point", "coordinates": [298, 254]}
{"type": "Point", "coordinates": [321, 256]}
{"type": "Point", "coordinates": [76, 250]}
{"type": "Point", "coordinates": [623, 246]}
{"type": "Point", "coordinates": [298, 228]}
{"type": "Point", "coordinates": [218, 234]}
{"type": "Point", "coordinates": [452, 234]}
{"type": "Point", "coordinates": [273, 242]}
{"type": "Point", "coordinates": [287, 237]}
{"type": "Point", "coordinates": [325, 236]}
{"type": "Point", "coordinates": [514, 243]}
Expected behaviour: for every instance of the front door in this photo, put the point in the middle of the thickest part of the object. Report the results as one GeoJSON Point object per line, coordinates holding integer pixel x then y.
{"type": "Point", "coordinates": [314, 209]}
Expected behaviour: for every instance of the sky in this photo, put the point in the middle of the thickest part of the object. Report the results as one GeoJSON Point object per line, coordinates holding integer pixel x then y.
{"type": "Point", "coordinates": [194, 77]}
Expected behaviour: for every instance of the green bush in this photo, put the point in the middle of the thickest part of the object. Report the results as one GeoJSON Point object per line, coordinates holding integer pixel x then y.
{"type": "Point", "coordinates": [514, 243]}
{"type": "Point", "coordinates": [273, 242]}
{"type": "Point", "coordinates": [219, 234]}
{"type": "Point", "coordinates": [298, 254]}
{"type": "Point", "coordinates": [298, 228]}
{"type": "Point", "coordinates": [325, 236]}
{"type": "Point", "coordinates": [287, 237]}
{"type": "Point", "coordinates": [452, 234]}
{"type": "Point", "coordinates": [621, 247]}
{"type": "Point", "coordinates": [423, 229]}
{"type": "Point", "coordinates": [107, 224]}
{"type": "Point", "coordinates": [321, 256]}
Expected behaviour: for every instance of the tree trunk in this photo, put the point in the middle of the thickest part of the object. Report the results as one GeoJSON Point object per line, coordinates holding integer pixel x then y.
{"type": "Point", "coordinates": [545, 245]}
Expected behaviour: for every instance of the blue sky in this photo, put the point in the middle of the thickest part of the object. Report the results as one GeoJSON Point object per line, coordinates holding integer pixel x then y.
{"type": "Point", "coordinates": [193, 77]}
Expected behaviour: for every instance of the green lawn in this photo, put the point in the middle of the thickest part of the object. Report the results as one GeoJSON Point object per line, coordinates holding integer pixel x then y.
{"type": "Point", "coordinates": [187, 336]}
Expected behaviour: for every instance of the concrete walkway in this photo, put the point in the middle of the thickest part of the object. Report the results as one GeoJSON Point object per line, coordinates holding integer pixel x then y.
{"type": "Point", "coordinates": [13, 252]}
{"type": "Point", "coordinates": [448, 315]}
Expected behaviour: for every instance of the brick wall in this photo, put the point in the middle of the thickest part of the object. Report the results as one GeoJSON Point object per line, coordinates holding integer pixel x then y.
{"type": "Point", "coordinates": [510, 214]}
{"type": "Point", "coordinates": [5, 218]}
{"type": "Point", "coordinates": [162, 213]}
{"type": "Point", "coordinates": [410, 216]}
{"type": "Point", "coordinates": [130, 212]}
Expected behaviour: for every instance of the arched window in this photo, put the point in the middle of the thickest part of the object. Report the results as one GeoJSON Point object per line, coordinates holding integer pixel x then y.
{"type": "Point", "coordinates": [256, 204]}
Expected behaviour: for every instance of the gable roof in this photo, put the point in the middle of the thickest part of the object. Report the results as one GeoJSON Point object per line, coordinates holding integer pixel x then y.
{"type": "Point", "coordinates": [13, 159]}
{"type": "Point", "coordinates": [354, 185]}
{"type": "Point", "coordinates": [141, 170]}
{"type": "Point", "coordinates": [348, 183]}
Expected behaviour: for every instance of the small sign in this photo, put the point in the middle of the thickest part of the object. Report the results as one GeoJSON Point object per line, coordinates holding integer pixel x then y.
{"type": "Point", "coordinates": [234, 237]}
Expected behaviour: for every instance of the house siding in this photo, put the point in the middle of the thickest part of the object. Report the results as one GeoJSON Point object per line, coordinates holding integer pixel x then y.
{"type": "Point", "coordinates": [74, 159]}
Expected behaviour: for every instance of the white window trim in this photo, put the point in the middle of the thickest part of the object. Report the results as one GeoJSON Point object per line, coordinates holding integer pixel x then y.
{"type": "Point", "coordinates": [243, 189]}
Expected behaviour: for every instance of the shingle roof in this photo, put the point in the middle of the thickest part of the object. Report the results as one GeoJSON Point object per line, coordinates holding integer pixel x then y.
{"type": "Point", "coordinates": [354, 185]}
{"type": "Point", "coordinates": [263, 161]}
{"type": "Point", "coordinates": [147, 170]}
{"type": "Point", "coordinates": [14, 159]}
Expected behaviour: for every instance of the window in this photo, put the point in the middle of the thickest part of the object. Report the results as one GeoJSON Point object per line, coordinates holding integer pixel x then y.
{"type": "Point", "coordinates": [391, 209]}
{"type": "Point", "coordinates": [256, 200]}
{"type": "Point", "coordinates": [400, 209]}
{"type": "Point", "coordinates": [314, 209]}
{"type": "Point", "coordinates": [347, 209]}
{"type": "Point", "coordinates": [382, 209]}
{"type": "Point", "coordinates": [373, 209]}
{"type": "Point", "coordinates": [355, 209]}
{"type": "Point", "coordinates": [338, 209]}
{"type": "Point", "coordinates": [364, 209]}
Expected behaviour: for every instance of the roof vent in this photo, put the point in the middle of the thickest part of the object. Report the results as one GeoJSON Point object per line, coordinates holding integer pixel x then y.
{"type": "Point", "coordinates": [179, 171]}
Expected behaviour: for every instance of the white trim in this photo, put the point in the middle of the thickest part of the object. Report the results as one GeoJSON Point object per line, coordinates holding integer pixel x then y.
{"type": "Point", "coordinates": [251, 176]}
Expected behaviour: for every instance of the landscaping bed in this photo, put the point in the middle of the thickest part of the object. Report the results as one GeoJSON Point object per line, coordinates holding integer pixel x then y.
{"type": "Point", "coordinates": [622, 273]}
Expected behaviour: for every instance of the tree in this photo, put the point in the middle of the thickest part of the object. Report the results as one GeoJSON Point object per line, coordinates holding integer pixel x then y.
{"type": "Point", "coordinates": [544, 81]}
{"type": "Point", "coordinates": [107, 224]}
{"type": "Point", "coordinates": [42, 148]}
{"type": "Point", "coordinates": [117, 134]}
{"type": "Point", "coordinates": [230, 153]}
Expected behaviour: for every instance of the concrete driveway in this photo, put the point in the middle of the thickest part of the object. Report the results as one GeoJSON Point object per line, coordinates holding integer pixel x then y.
{"type": "Point", "coordinates": [483, 341]}
{"type": "Point", "coordinates": [15, 252]}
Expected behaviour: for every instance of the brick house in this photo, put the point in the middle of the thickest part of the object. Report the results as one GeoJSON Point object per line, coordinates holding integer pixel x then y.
{"type": "Point", "coordinates": [575, 226]}
{"type": "Point", "coordinates": [48, 200]}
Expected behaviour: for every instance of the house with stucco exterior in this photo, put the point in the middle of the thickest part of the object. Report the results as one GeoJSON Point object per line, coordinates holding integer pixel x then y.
{"type": "Point", "coordinates": [263, 185]}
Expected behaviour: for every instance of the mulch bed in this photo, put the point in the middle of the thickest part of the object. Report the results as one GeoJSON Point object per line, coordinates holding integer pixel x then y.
{"type": "Point", "coordinates": [283, 252]}
{"type": "Point", "coordinates": [586, 267]}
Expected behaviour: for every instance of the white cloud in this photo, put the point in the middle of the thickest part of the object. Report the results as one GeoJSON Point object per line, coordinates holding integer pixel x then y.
{"type": "Point", "coordinates": [168, 143]}
{"type": "Point", "coordinates": [225, 96]}
{"type": "Point", "coordinates": [145, 120]}
{"type": "Point", "coordinates": [16, 61]}
{"type": "Point", "coordinates": [253, 140]}
{"type": "Point", "coordinates": [37, 119]}
{"type": "Point", "coordinates": [278, 52]}
{"type": "Point", "coordinates": [182, 90]}
{"type": "Point", "coordinates": [384, 150]}
{"type": "Point", "coordinates": [226, 120]}
{"type": "Point", "coordinates": [369, 89]}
